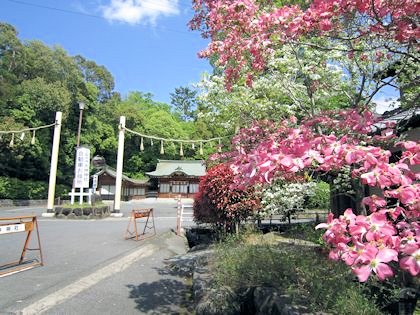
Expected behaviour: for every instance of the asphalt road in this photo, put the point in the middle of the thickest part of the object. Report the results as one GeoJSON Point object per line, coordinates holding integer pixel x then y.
{"type": "Point", "coordinates": [91, 266]}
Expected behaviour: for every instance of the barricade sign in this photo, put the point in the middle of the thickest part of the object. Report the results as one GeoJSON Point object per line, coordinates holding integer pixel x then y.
{"type": "Point", "coordinates": [148, 221]}
{"type": "Point", "coordinates": [17, 225]}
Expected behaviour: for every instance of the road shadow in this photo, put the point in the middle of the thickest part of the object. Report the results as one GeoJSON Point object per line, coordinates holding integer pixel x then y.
{"type": "Point", "coordinates": [166, 296]}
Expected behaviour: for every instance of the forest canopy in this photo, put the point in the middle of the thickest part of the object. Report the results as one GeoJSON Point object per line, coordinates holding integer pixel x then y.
{"type": "Point", "coordinates": [37, 80]}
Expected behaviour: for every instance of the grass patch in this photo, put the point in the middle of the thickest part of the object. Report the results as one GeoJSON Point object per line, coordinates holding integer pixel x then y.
{"type": "Point", "coordinates": [305, 231]}
{"type": "Point", "coordinates": [302, 272]}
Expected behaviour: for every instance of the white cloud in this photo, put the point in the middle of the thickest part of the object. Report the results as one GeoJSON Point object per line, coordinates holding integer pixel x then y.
{"type": "Point", "coordinates": [384, 104]}
{"type": "Point", "coordinates": [139, 11]}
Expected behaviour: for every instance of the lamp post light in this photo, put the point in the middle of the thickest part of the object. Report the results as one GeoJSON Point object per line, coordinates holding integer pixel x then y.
{"type": "Point", "coordinates": [81, 107]}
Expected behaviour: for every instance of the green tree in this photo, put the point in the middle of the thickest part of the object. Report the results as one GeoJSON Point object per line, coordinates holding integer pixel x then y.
{"type": "Point", "coordinates": [297, 81]}
{"type": "Point", "coordinates": [36, 81]}
{"type": "Point", "coordinates": [151, 118]}
{"type": "Point", "coordinates": [184, 99]}
{"type": "Point", "coordinates": [97, 75]}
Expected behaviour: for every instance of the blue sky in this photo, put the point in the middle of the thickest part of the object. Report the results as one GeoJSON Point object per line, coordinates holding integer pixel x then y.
{"type": "Point", "coordinates": [145, 44]}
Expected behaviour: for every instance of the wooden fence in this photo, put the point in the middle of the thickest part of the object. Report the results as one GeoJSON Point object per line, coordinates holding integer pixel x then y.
{"type": "Point", "coordinates": [303, 216]}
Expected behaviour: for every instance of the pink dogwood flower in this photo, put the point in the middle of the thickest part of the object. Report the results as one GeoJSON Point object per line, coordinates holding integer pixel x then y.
{"type": "Point", "coordinates": [377, 176]}
{"type": "Point", "coordinates": [411, 262]}
{"type": "Point", "coordinates": [395, 212]}
{"type": "Point", "coordinates": [379, 227]}
{"type": "Point", "coordinates": [358, 253]}
{"type": "Point", "coordinates": [376, 261]}
{"type": "Point", "coordinates": [409, 194]}
{"type": "Point", "coordinates": [365, 243]}
{"type": "Point", "coordinates": [374, 202]}
{"type": "Point", "coordinates": [336, 230]}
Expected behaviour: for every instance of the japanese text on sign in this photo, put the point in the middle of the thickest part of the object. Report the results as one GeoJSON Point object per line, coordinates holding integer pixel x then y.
{"type": "Point", "coordinates": [12, 228]}
{"type": "Point", "coordinates": [82, 168]}
{"type": "Point", "coordinates": [95, 182]}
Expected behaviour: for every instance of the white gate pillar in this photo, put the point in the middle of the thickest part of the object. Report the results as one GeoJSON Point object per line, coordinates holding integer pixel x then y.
{"type": "Point", "coordinates": [120, 159]}
{"type": "Point", "coordinates": [54, 163]}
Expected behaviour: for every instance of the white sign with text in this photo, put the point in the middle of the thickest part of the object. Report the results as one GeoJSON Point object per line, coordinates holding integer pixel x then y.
{"type": "Point", "coordinates": [81, 179]}
{"type": "Point", "coordinates": [94, 182]}
{"type": "Point", "coordinates": [12, 228]}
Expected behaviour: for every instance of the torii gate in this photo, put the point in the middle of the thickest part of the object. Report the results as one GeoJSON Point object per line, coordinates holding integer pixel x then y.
{"type": "Point", "coordinates": [120, 158]}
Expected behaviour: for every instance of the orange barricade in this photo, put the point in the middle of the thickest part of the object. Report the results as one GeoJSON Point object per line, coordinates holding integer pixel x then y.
{"type": "Point", "coordinates": [16, 225]}
{"type": "Point", "coordinates": [149, 223]}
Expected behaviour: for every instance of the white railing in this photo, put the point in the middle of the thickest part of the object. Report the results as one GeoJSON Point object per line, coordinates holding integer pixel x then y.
{"type": "Point", "coordinates": [185, 213]}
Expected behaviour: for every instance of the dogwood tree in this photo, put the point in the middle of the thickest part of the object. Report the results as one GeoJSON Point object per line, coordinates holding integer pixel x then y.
{"type": "Point", "coordinates": [377, 40]}
{"type": "Point", "coordinates": [390, 232]}
{"type": "Point", "coordinates": [378, 46]}
{"type": "Point", "coordinates": [297, 81]}
{"type": "Point", "coordinates": [284, 198]}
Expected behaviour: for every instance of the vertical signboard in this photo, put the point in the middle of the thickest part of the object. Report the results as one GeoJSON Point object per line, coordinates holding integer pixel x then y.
{"type": "Point", "coordinates": [94, 182]}
{"type": "Point", "coordinates": [81, 179]}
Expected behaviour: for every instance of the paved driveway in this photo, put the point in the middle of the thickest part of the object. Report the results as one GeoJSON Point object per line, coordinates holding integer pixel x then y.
{"type": "Point", "coordinates": [83, 250]}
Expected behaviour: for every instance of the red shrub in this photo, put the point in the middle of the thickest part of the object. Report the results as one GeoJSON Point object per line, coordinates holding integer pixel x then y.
{"type": "Point", "coordinates": [217, 202]}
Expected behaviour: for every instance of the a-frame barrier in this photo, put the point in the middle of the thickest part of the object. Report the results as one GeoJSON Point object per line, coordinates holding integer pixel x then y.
{"type": "Point", "coordinates": [149, 223]}
{"type": "Point", "coordinates": [16, 225]}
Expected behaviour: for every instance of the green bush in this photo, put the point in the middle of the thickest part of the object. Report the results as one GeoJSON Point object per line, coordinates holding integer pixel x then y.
{"type": "Point", "coordinates": [13, 188]}
{"type": "Point", "coordinates": [303, 273]}
{"type": "Point", "coordinates": [321, 197]}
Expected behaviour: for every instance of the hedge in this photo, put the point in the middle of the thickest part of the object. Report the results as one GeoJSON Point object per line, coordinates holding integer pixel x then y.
{"type": "Point", "coordinates": [321, 197]}
{"type": "Point", "coordinates": [13, 188]}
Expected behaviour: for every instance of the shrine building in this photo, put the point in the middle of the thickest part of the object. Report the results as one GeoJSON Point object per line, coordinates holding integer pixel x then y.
{"type": "Point", "coordinates": [178, 177]}
{"type": "Point", "coordinates": [130, 188]}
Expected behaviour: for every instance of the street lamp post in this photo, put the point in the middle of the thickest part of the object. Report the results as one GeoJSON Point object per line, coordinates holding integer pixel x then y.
{"type": "Point", "coordinates": [81, 107]}
{"type": "Point", "coordinates": [73, 191]}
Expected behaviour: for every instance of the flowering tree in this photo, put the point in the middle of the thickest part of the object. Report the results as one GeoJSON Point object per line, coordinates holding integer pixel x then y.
{"type": "Point", "coordinates": [367, 243]}
{"type": "Point", "coordinates": [296, 81]}
{"type": "Point", "coordinates": [217, 203]}
{"type": "Point", "coordinates": [284, 198]}
{"type": "Point", "coordinates": [376, 39]}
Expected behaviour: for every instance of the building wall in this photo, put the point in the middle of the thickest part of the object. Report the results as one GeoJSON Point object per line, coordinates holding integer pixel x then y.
{"type": "Point", "coordinates": [106, 187]}
{"type": "Point", "coordinates": [129, 191]}
{"type": "Point", "coordinates": [174, 196]}
{"type": "Point", "coordinates": [172, 187]}
{"type": "Point", "coordinates": [133, 191]}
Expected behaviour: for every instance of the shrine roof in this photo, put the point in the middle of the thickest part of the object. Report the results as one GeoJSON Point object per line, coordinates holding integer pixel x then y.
{"type": "Point", "coordinates": [193, 168]}
{"type": "Point", "coordinates": [112, 172]}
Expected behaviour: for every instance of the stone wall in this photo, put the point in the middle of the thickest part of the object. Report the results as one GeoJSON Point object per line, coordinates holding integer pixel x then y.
{"type": "Point", "coordinates": [93, 212]}
{"type": "Point", "coordinates": [11, 203]}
